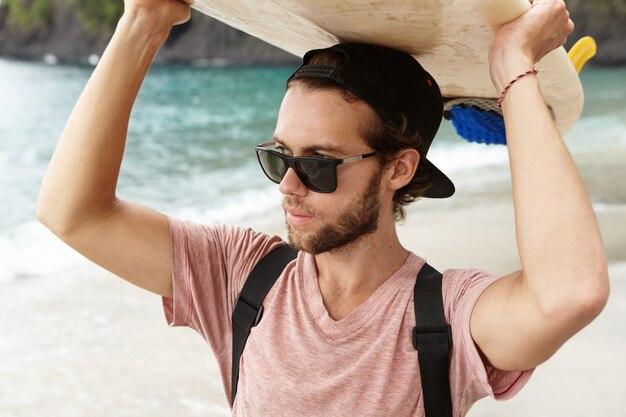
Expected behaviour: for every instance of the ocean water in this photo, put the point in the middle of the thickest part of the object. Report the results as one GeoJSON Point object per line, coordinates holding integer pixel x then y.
{"type": "Point", "coordinates": [190, 150]}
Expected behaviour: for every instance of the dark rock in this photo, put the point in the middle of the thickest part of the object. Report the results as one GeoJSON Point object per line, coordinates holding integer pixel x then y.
{"type": "Point", "coordinates": [204, 39]}
{"type": "Point", "coordinates": [610, 35]}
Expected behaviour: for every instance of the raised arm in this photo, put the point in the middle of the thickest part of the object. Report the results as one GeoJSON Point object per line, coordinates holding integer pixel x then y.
{"type": "Point", "coordinates": [523, 318]}
{"type": "Point", "coordinates": [77, 200]}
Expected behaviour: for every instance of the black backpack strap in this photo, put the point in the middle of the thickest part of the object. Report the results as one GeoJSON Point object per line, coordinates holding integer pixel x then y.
{"type": "Point", "coordinates": [432, 338]}
{"type": "Point", "coordinates": [249, 308]}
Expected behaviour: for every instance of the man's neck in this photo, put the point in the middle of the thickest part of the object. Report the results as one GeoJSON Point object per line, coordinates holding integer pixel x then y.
{"type": "Point", "coordinates": [349, 276]}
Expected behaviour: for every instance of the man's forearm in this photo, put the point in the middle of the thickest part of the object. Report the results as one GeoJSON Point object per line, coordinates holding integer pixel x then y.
{"type": "Point", "coordinates": [558, 238]}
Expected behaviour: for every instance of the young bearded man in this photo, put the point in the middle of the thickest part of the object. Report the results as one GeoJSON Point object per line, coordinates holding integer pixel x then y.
{"type": "Point", "coordinates": [349, 151]}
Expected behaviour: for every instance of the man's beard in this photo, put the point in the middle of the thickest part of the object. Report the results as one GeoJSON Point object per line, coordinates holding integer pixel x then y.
{"type": "Point", "coordinates": [359, 219]}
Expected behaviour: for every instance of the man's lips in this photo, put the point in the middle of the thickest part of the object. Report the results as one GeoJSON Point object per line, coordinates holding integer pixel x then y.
{"type": "Point", "coordinates": [297, 217]}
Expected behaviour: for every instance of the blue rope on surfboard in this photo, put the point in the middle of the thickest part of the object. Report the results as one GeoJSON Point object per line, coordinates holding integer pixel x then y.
{"type": "Point", "coordinates": [476, 120]}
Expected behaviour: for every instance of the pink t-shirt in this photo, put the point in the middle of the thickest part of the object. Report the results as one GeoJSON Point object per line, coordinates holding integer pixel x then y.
{"type": "Point", "coordinates": [299, 361]}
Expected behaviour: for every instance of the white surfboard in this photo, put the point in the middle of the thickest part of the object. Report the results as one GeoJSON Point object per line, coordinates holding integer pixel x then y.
{"type": "Point", "coordinates": [450, 38]}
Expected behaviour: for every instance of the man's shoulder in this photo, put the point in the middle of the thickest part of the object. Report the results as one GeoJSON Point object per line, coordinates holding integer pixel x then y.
{"type": "Point", "coordinates": [466, 276]}
{"type": "Point", "coordinates": [461, 288]}
{"type": "Point", "coordinates": [235, 245]}
{"type": "Point", "coordinates": [223, 232]}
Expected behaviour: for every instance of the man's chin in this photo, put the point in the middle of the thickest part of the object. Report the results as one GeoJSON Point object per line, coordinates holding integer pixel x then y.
{"type": "Point", "coordinates": [321, 241]}
{"type": "Point", "coordinates": [296, 239]}
{"type": "Point", "coordinates": [301, 240]}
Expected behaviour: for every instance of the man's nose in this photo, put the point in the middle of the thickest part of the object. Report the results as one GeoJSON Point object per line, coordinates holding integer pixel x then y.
{"type": "Point", "coordinates": [291, 184]}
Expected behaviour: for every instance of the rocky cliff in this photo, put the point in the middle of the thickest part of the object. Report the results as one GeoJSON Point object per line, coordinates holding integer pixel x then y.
{"type": "Point", "coordinates": [63, 31]}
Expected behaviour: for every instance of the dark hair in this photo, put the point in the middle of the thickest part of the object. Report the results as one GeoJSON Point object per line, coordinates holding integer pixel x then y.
{"type": "Point", "coordinates": [381, 135]}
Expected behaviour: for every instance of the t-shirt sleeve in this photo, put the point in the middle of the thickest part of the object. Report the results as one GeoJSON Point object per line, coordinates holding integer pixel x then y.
{"type": "Point", "coordinates": [471, 379]}
{"type": "Point", "coordinates": [209, 266]}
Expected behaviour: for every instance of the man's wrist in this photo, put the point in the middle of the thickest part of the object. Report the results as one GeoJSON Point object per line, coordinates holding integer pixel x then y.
{"type": "Point", "coordinates": [145, 27]}
{"type": "Point", "coordinates": [505, 65]}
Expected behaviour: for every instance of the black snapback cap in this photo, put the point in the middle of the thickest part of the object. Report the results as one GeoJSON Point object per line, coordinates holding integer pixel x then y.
{"type": "Point", "coordinates": [394, 84]}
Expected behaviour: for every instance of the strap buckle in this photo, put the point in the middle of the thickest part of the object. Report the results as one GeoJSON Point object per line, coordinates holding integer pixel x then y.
{"type": "Point", "coordinates": [430, 340]}
{"type": "Point", "coordinates": [249, 308]}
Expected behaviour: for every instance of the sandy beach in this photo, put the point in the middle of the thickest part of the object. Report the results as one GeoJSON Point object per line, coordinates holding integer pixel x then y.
{"type": "Point", "coordinates": [87, 343]}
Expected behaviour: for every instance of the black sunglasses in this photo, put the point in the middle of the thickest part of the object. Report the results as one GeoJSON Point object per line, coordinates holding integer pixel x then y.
{"type": "Point", "coordinates": [317, 174]}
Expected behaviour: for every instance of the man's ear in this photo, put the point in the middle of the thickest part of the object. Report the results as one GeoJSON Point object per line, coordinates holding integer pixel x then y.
{"type": "Point", "coordinates": [401, 169]}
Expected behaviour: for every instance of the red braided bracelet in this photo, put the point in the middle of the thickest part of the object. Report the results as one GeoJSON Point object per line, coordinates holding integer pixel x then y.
{"type": "Point", "coordinates": [503, 93]}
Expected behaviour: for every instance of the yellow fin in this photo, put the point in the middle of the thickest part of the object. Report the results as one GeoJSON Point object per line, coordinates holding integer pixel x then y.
{"type": "Point", "coordinates": [582, 51]}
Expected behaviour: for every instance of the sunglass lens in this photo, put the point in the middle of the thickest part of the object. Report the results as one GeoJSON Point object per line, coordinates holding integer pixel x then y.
{"type": "Point", "coordinates": [272, 164]}
{"type": "Point", "coordinates": [317, 175]}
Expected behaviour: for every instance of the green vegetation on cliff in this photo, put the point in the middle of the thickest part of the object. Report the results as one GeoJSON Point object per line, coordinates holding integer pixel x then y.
{"type": "Point", "coordinates": [29, 15]}
{"type": "Point", "coordinates": [98, 16]}
{"type": "Point", "coordinates": [95, 16]}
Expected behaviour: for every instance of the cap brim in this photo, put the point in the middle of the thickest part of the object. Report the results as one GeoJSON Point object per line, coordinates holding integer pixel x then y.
{"type": "Point", "coordinates": [440, 184]}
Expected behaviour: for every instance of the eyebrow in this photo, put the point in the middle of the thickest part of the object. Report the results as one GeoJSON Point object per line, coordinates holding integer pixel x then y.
{"type": "Point", "coordinates": [324, 147]}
